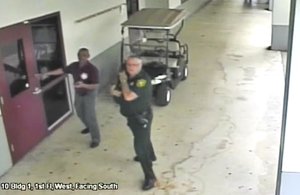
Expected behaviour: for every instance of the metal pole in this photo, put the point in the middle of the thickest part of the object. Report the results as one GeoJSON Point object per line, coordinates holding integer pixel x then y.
{"type": "Point", "coordinates": [286, 95]}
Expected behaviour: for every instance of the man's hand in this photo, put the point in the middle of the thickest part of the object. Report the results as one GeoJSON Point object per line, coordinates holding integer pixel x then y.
{"type": "Point", "coordinates": [80, 84]}
{"type": "Point", "coordinates": [45, 75]}
{"type": "Point", "coordinates": [41, 76]}
{"type": "Point", "coordinates": [114, 92]}
{"type": "Point", "coordinates": [123, 77]}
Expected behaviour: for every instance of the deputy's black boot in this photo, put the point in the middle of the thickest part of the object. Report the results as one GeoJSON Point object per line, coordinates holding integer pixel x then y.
{"type": "Point", "coordinates": [85, 131]}
{"type": "Point", "coordinates": [149, 183]}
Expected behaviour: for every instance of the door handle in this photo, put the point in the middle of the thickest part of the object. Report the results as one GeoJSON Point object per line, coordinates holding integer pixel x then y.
{"type": "Point", "coordinates": [36, 91]}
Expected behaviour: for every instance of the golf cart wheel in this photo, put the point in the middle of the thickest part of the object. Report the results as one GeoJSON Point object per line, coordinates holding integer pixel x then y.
{"type": "Point", "coordinates": [185, 73]}
{"type": "Point", "coordinates": [163, 95]}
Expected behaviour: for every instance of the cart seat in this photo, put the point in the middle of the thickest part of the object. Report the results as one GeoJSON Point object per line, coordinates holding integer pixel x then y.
{"type": "Point", "coordinates": [172, 62]}
{"type": "Point", "coordinates": [157, 48]}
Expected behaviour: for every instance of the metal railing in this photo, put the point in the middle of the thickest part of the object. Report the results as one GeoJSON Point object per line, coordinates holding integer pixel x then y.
{"type": "Point", "coordinates": [100, 13]}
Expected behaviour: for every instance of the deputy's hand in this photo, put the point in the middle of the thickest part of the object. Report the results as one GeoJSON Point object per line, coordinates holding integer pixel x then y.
{"type": "Point", "coordinates": [123, 76]}
{"type": "Point", "coordinates": [112, 89]}
{"type": "Point", "coordinates": [115, 92]}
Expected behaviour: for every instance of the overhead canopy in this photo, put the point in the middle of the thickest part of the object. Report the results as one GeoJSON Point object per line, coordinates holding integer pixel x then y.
{"type": "Point", "coordinates": [158, 18]}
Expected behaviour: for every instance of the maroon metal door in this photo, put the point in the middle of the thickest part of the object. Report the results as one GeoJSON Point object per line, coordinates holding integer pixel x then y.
{"type": "Point", "coordinates": [23, 112]}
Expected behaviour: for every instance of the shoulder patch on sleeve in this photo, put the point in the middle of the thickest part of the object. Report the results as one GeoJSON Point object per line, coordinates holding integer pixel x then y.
{"type": "Point", "coordinates": [141, 83]}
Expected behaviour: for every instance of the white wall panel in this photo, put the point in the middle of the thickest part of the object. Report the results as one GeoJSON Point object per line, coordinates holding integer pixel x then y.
{"type": "Point", "coordinates": [281, 10]}
{"type": "Point", "coordinates": [98, 33]}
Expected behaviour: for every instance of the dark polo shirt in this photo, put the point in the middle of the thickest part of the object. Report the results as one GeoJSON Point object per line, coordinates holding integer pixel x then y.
{"type": "Point", "coordinates": [87, 74]}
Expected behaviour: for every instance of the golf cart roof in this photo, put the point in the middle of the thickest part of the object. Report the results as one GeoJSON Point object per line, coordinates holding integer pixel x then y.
{"type": "Point", "coordinates": [155, 18]}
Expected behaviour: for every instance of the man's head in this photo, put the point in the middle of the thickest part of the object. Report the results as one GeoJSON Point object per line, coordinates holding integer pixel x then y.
{"type": "Point", "coordinates": [83, 55]}
{"type": "Point", "coordinates": [133, 65]}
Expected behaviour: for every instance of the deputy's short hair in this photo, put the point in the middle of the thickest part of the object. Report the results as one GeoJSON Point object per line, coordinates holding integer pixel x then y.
{"type": "Point", "coordinates": [135, 57]}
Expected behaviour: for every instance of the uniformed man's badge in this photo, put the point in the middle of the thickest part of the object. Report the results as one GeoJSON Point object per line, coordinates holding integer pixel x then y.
{"type": "Point", "coordinates": [141, 83]}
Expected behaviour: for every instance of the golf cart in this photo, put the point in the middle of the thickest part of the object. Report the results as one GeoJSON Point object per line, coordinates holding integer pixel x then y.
{"type": "Point", "coordinates": [152, 35]}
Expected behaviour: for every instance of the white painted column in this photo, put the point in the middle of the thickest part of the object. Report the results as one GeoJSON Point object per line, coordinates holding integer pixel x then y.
{"type": "Point", "coordinates": [271, 5]}
{"type": "Point", "coordinates": [142, 4]}
{"type": "Point", "coordinates": [280, 22]}
{"type": "Point", "coordinates": [289, 163]}
{"type": "Point", "coordinates": [262, 1]}
{"type": "Point", "coordinates": [174, 3]}
{"type": "Point", "coordinates": [157, 3]}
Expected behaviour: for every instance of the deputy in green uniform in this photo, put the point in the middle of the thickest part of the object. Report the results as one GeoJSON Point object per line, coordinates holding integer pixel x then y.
{"type": "Point", "coordinates": [133, 94]}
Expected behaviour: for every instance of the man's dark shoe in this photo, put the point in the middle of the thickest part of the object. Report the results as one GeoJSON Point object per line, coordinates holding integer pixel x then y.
{"type": "Point", "coordinates": [136, 158]}
{"type": "Point", "coordinates": [85, 131]}
{"type": "Point", "coordinates": [149, 183]}
{"type": "Point", "coordinates": [94, 144]}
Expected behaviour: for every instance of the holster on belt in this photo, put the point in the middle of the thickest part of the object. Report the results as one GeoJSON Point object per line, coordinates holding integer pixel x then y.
{"type": "Point", "coordinates": [142, 118]}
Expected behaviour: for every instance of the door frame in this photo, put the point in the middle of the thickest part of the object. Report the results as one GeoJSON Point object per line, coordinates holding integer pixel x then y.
{"type": "Point", "coordinates": [130, 6]}
{"type": "Point", "coordinates": [64, 61]}
{"type": "Point", "coordinates": [69, 113]}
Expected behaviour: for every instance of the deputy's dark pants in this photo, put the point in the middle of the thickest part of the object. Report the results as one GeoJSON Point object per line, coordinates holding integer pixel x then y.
{"type": "Point", "coordinates": [86, 111]}
{"type": "Point", "coordinates": [142, 143]}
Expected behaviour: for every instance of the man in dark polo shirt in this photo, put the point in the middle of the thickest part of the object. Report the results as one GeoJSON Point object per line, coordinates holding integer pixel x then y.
{"type": "Point", "coordinates": [134, 93]}
{"type": "Point", "coordinates": [86, 79]}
